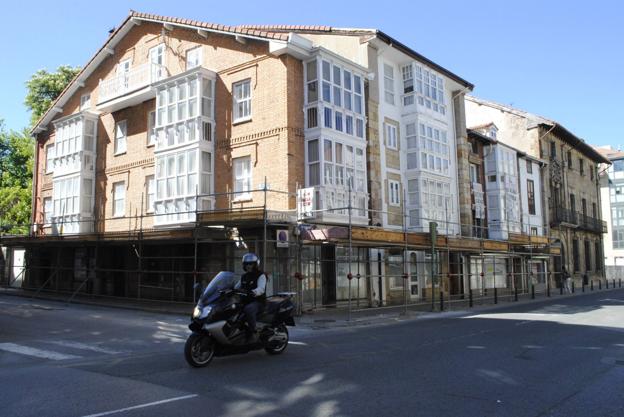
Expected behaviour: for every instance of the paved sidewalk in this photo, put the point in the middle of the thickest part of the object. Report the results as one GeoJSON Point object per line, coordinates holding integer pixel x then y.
{"type": "Point", "coordinates": [323, 319]}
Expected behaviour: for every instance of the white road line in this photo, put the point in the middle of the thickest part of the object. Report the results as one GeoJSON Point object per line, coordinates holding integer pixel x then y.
{"type": "Point", "coordinates": [39, 353]}
{"type": "Point", "coordinates": [83, 346]}
{"type": "Point", "coordinates": [290, 342]}
{"type": "Point", "coordinates": [121, 410]}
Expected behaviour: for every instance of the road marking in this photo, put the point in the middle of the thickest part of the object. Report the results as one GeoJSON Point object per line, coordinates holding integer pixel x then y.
{"type": "Point", "coordinates": [83, 346]}
{"type": "Point", "coordinates": [290, 342]}
{"type": "Point", "coordinates": [121, 410]}
{"type": "Point", "coordinates": [475, 347]}
{"type": "Point", "coordinates": [39, 353]}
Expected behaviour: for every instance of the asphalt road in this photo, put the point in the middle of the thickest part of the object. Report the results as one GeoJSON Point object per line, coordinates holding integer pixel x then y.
{"type": "Point", "coordinates": [563, 357]}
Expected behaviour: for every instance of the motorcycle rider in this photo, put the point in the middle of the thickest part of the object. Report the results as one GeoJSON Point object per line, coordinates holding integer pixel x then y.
{"type": "Point", "coordinates": [253, 281]}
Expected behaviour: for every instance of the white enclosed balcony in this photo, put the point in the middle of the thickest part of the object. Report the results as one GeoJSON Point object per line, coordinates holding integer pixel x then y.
{"type": "Point", "coordinates": [131, 87]}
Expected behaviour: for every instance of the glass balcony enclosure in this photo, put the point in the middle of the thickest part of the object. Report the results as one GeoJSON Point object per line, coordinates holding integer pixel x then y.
{"type": "Point", "coordinates": [184, 149]}
{"type": "Point", "coordinates": [129, 86]}
{"type": "Point", "coordinates": [73, 174]}
{"type": "Point", "coordinates": [335, 138]}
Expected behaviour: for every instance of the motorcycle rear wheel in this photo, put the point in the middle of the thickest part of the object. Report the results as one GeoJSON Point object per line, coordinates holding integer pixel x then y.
{"type": "Point", "coordinates": [276, 349]}
{"type": "Point", "coordinates": [199, 350]}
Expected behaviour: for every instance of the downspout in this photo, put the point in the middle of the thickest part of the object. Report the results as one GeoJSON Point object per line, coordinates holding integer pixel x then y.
{"type": "Point", "coordinates": [33, 214]}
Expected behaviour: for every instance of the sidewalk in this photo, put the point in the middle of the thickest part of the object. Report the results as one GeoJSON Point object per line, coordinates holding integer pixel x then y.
{"type": "Point", "coordinates": [323, 319]}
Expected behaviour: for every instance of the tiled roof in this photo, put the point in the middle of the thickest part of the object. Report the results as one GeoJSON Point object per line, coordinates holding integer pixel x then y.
{"type": "Point", "coordinates": [289, 28]}
{"type": "Point", "coordinates": [239, 30]}
{"type": "Point", "coordinates": [269, 35]}
{"type": "Point", "coordinates": [610, 153]}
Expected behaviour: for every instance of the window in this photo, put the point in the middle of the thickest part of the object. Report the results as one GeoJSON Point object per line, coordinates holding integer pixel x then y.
{"type": "Point", "coordinates": [474, 173]}
{"type": "Point", "coordinates": [581, 166]}
{"type": "Point", "coordinates": [389, 84]}
{"type": "Point", "coordinates": [394, 188]}
{"type": "Point", "coordinates": [49, 158]}
{"type": "Point", "coordinates": [242, 178]}
{"type": "Point", "coordinates": [434, 149]}
{"type": "Point", "coordinates": [193, 57]}
{"type": "Point", "coordinates": [408, 84]}
{"type": "Point", "coordinates": [553, 150]}
{"type": "Point", "coordinates": [411, 137]}
{"type": "Point", "coordinates": [157, 61]}
{"type": "Point", "coordinates": [242, 100]}
{"type": "Point", "coordinates": [85, 102]}
{"type": "Point", "coordinates": [531, 196]}
{"type": "Point", "coordinates": [314, 164]}
{"type": "Point", "coordinates": [391, 136]}
{"type": "Point", "coordinates": [588, 266]}
{"type": "Point", "coordinates": [429, 89]}
{"type": "Point", "coordinates": [47, 210]}
{"type": "Point", "coordinates": [598, 259]}
{"type": "Point", "coordinates": [591, 173]}
{"type": "Point", "coordinates": [569, 160]}
{"type": "Point", "coordinates": [529, 166]}
{"type": "Point", "coordinates": [120, 137]}
{"type": "Point", "coordinates": [150, 192]}
{"type": "Point", "coordinates": [575, 255]}
{"type": "Point", "coordinates": [533, 231]}
{"type": "Point", "coordinates": [119, 199]}
{"type": "Point", "coordinates": [151, 133]}
{"type": "Point", "coordinates": [312, 82]}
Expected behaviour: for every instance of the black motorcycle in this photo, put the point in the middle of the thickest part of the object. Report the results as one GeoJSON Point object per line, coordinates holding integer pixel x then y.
{"type": "Point", "coordinates": [219, 328]}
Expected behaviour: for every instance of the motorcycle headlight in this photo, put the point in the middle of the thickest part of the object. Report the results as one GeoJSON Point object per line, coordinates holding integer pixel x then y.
{"type": "Point", "coordinates": [201, 312]}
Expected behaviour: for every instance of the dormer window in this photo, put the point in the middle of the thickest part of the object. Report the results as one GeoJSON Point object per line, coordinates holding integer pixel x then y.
{"type": "Point", "coordinates": [492, 132]}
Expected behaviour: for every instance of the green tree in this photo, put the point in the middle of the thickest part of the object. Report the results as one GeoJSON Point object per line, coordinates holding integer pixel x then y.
{"type": "Point", "coordinates": [44, 87]}
{"type": "Point", "coordinates": [16, 168]}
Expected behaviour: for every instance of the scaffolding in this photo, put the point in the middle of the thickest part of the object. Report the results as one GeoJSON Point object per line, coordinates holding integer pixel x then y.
{"type": "Point", "coordinates": [342, 265]}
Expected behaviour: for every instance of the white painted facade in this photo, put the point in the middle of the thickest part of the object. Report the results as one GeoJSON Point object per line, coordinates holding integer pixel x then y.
{"type": "Point", "coordinates": [428, 157]}
{"type": "Point", "coordinates": [335, 135]}
{"type": "Point", "coordinates": [502, 193]}
{"type": "Point", "coordinates": [533, 222]}
{"type": "Point", "coordinates": [612, 201]}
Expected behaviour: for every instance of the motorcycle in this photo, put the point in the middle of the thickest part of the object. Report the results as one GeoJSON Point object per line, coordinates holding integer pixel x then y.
{"type": "Point", "coordinates": [219, 328]}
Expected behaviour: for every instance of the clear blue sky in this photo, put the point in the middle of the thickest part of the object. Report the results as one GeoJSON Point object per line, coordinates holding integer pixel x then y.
{"type": "Point", "coordinates": [560, 59]}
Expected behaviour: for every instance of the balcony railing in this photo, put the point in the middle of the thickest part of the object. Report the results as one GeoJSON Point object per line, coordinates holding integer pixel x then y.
{"type": "Point", "coordinates": [560, 215]}
{"type": "Point", "coordinates": [133, 80]}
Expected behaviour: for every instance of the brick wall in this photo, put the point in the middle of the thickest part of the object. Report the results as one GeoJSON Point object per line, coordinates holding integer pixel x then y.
{"type": "Point", "coordinates": [273, 138]}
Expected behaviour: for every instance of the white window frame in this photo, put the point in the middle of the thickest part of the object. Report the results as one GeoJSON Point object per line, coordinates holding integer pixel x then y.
{"type": "Point", "coordinates": [391, 136]}
{"type": "Point", "coordinates": [242, 182]}
{"type": "Point", "coordinates": [50, 158]}
{"type": "Point", "coordinates": [157, 53]}
{"type": "Point", "coordinates": [150, 193]}
{"type": "Point", "coordinates": [245, 101]}
{"type": "Point", "coordinates": [85, 102]}
{"type": "Point", "coordinates": [121, 140]}
{"type": "Point", "coordinates": [151, 128]}
{"type": "Point", "coordinates": [48, 210]}
{"type": "Point", "coordinates": [119, 196]}
{"type": "Point", "coordinates": [194, 57]}
{"type": "Point", "coordinates": [389, 84]}
{"type": "Point", "coordinates": [394, 193]}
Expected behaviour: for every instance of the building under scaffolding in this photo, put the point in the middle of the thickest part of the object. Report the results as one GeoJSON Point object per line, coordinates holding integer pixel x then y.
{"type": "Point", "coordinates": [326, 265]}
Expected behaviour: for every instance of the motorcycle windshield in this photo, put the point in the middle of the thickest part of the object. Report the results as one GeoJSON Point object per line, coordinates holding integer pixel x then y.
{"type": "Point", "coordinates": [224, 280]}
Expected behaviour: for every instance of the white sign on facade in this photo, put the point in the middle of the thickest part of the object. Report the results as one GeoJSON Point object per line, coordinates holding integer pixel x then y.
{"type": "Point", "coordinates": [305, 203]}
{"type": "Point", "coordinates": [281, 238]}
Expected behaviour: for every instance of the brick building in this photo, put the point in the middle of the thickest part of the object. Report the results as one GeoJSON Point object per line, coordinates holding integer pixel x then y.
{"type": "Point", "coordinates": [337, 153]}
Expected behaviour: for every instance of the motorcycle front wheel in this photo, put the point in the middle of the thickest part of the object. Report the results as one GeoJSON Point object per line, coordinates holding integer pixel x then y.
{"type": "Point", "coordinates": [277, 342]}
{"type": "Point", "coordinates": [199, 350]}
